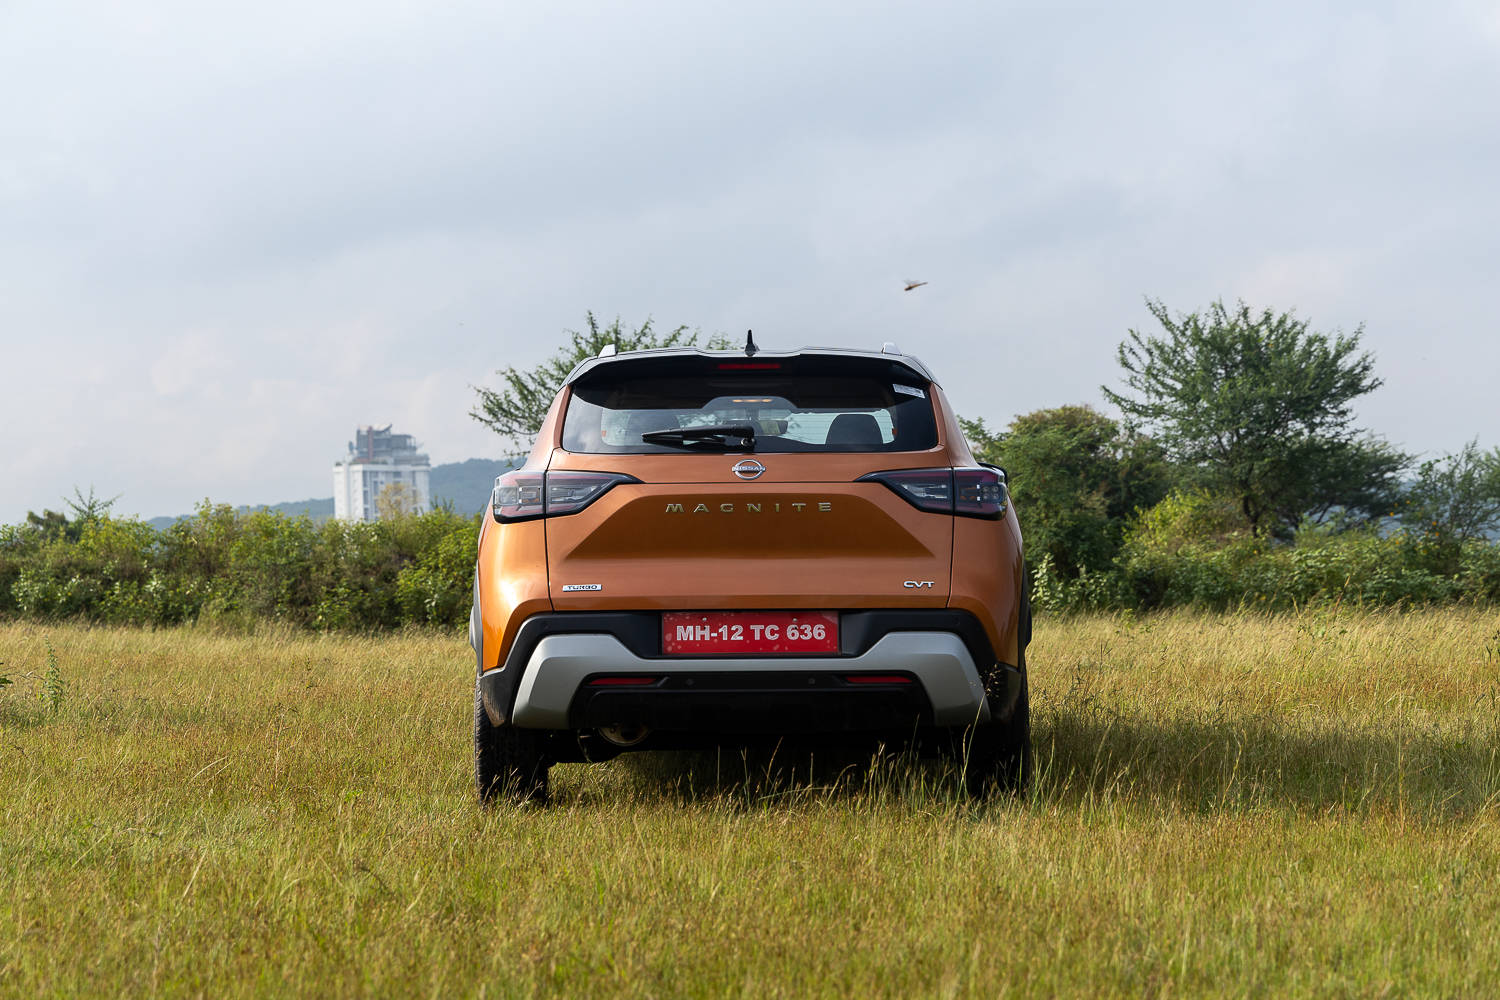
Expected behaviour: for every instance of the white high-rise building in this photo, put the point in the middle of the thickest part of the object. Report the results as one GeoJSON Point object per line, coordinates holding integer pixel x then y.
{"type": "Point", "coordinates": [377, 458]}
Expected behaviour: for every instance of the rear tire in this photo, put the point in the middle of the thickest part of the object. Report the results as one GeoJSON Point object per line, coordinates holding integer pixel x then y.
{"type": "Point", "coordinates": [997, 755]}
{"type": "Point", "coordinates": [508, 762]}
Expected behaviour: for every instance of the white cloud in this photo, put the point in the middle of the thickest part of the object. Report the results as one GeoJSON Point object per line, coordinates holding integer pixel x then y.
{"type": "Point", "coordinates": [1308, 277]}
{"type": "Point", "coordinates": [228, 235]}
{"type": "Point", "coordinates": [190, 363]}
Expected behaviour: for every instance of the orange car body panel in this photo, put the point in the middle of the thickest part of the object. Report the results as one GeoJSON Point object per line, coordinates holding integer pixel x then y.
{"type": "Point", "coordinates": [512, 583]}
{"type": "Point", "coordinates": [988, 571]}
{"type": "Point", "coordinates": [987, 580]}
{"type": "Point", "coordinates": [737, 544]}
{"type": "Point", "coordinates": [748, 545]}
{"type": "Point", "coordinates": [512, 568]}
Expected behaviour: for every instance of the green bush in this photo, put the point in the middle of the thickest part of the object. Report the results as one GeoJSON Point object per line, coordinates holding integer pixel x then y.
{"type": "Point", "coordinates": [233, 570]}
{"type": "Point", "coordinates": [1479, 571]}
{"type": "Point", "coordinates": [1195, 549]}
{"type": "Point", "coordinates": [1076, 477]}
{"type": "Point", "coordinates": [436, 588]}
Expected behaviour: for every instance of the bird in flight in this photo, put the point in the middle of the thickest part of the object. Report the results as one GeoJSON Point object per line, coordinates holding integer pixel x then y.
{"type": "Point", "coordinates": [913, 284]}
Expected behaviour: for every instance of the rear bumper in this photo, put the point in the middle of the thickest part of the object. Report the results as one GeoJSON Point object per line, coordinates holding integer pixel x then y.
{"type": "Point", "coordinates": [543, 684]}
{"type": "Point", "coordinates": [732, 704]}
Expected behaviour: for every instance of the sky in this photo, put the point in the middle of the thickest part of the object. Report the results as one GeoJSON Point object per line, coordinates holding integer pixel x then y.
{"type": "Point", "coordinates": [231, 233]}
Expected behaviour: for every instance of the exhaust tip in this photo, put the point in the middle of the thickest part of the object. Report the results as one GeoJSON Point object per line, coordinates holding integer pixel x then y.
{"type": "Point", "coordinates": [624, 735]}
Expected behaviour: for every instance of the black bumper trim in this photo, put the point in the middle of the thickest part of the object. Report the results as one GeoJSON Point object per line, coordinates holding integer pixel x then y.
{"type": "Point", "coordinates": [773, 702]}
{"type": "Point", "coordinates": [640, 632]}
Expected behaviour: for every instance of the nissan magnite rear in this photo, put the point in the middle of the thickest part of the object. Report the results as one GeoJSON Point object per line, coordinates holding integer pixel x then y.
{"type": "Point", "coordinates": [721, 548]}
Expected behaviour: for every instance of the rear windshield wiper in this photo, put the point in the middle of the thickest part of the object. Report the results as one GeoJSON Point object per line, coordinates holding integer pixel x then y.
{"type": "Point", "coordinates": [720, 437]}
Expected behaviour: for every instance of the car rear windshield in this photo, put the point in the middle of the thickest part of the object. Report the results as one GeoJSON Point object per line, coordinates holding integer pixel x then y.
{"type": "Point", "coordinates": [810, 407]}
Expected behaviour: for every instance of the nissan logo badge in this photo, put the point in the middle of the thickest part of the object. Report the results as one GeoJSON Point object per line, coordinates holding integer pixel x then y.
{"type": "Point", "coordinates": [748, 469]}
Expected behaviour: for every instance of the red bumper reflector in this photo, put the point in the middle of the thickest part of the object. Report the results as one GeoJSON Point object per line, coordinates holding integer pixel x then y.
{"type": "Point", "coordinates": [621, 681]}
{"type": "Point", "coordinates": [877, 679]}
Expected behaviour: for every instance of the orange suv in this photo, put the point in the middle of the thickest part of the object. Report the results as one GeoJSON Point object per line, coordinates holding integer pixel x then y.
{"type": "Point", "coordinates": [709, 548]}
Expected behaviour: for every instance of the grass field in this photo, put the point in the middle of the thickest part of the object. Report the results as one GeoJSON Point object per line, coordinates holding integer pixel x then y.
{"type": "Point", "coordinates": [1225, 805]}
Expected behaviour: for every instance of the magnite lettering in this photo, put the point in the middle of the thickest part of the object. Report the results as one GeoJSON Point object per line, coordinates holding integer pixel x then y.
{"type": "Point", "coordinates": [798, 507]}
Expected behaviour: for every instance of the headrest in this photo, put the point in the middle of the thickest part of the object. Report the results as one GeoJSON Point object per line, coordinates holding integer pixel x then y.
{"type": "Point", "coordinates": [856, 429]}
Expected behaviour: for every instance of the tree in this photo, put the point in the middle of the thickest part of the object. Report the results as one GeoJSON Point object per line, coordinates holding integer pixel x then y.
{"type": "Point", "coordinates": [90, 509]}
{"type": "Point", "coordinates": [1259, 407]}
{"type": "Point", "coordinates": [1077, 477]}
{"type": "Point", "coordinates": [396, 500]}
{"type": "Point", "coordinates": [517, 410]}
{"type": "Point", "coordinates": [1455, 499]}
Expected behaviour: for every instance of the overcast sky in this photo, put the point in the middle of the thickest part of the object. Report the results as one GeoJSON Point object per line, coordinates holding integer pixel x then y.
{"type": "Point", "coordinates": [231, 233]}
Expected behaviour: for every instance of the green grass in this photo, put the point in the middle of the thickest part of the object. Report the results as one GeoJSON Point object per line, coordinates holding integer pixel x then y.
{"type": "Point", "coordinates": [1226, 805]}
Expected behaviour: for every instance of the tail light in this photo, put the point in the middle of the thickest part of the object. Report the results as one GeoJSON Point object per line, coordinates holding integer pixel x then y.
{"type": "Point", "coordinates": [570, 492]}
{"type": "Point", "coordinates": [968, 492]}
{"type": "Point", "coordinates": [979, 493]}
{"type": "Point", "coordinates": [518, 495]}
{"type": "Point", "coordinates": [523, 494]}
{"type": "Point", "coordinates": [924, 489]}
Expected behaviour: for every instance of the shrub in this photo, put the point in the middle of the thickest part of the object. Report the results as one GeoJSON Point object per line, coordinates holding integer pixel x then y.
{"type": "Point", "coordinates": [436, 589]}
{"type": "Point", "coordinates": [236, 569]}
{"type": "Point", "coordinates": [1077, 477]}
{"type": "Point", "coordinates": [233, 570]}
{"type": "Point", "coordinates": [1194, 548]}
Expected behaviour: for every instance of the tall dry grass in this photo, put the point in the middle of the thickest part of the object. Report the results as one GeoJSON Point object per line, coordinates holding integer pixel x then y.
{"type": "Point", "coordinates": [1225, 805]}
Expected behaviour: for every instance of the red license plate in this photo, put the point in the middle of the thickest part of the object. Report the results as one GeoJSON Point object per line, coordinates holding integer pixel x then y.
{"type": "Point", "coordinates": [695, 633]}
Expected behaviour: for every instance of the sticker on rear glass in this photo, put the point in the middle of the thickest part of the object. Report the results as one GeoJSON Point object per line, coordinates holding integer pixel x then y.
{"type": "Point", "coordinates": [569, 588]}
{"type": "Point", "coordinates": [910, 390]}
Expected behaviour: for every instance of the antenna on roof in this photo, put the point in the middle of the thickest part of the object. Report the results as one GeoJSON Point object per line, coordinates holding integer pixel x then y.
{"type": "Point", "coordinates": [750, 347]}
{"type": "Point", "coordinates": [609, 350]}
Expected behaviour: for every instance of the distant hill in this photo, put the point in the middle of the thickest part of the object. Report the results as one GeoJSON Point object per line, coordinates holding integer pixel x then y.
{"type": "Point", "coordinates": [463, 485]}
{"type": "Point", "coordinates": [466, 485]}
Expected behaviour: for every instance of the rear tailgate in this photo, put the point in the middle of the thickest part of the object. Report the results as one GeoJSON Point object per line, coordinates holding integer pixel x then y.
{"type": "Point", "coordinates": [694, 535]}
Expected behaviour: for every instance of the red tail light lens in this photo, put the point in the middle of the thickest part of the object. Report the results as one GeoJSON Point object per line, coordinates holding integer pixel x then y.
{"type": "Point", "coordinates": [979, 493]}
{"type": "Point", "coordinates": [522, 495]}
{"type": "Point", "coordinates": [924, 489]}
{"type": "Point", "coordinates": [518, 495]}
{"type": "Point", "coordinates": [968, 492]}
{"type": "Point", "coordinates": [570, 492]}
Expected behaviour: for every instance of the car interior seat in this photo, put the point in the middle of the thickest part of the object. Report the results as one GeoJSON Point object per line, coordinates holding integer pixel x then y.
{"type": "Point", "coordinates": [852, 431]}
